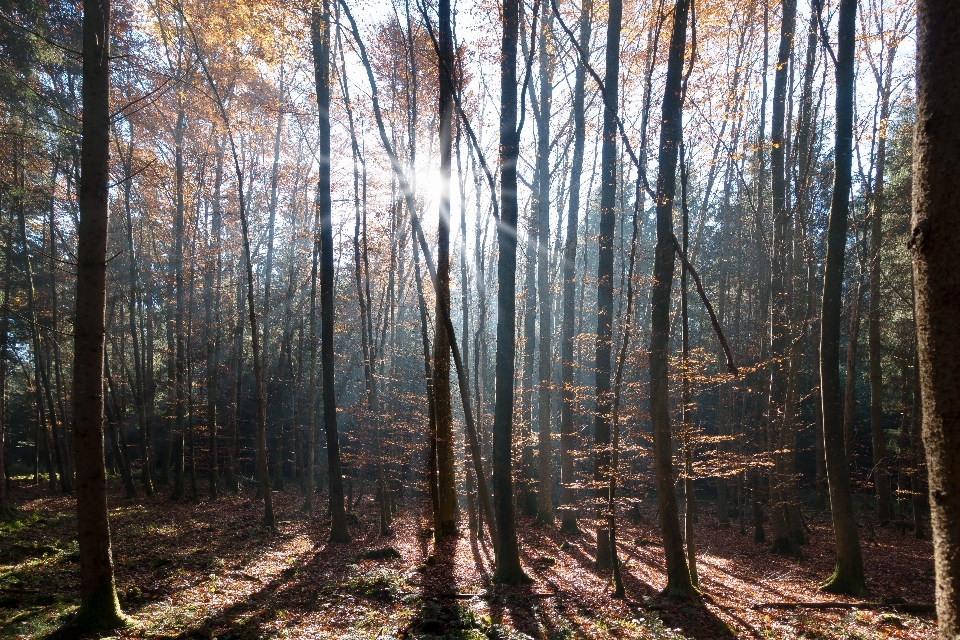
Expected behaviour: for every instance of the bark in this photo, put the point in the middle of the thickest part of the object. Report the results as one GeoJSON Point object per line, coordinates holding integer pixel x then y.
{"type": "Point", "coordinates": [99, 607]}
{"type": "Point", "coordinates": [934, 238]}
{"type": "Point", "coordinates": [446, 478]}
{"type": "Point", "coordinates": [678, 574]}
{"type": "Point", "coordinates": [780, 333]}
{"type": "Point", "coordinates": [850, 383]}
{"type": "Point", "coordinates": [848, 576]}
{"type": "Point", "coordinates": [568, 427]}
{"type": "Point", "coordinates": [608, 195]}
{"type": "Point", "coordinates": [507, 548]}
{"type": "Point", "coordinates": [320, 41]}
{"type": "Point", "coordinates": [133, 302]}
{"type": "Point", "coordinates": [881, 466]}
{"type": "Point", "coordinates": [545, 390]}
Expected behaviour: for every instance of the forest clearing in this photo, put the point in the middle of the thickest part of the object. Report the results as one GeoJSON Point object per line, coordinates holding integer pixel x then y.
{"type": "Point", "coordinates": [212, 571]}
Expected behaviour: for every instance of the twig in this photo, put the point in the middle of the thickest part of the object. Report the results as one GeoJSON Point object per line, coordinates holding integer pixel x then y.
{"type": "Point", "coordinates": [910, 607]}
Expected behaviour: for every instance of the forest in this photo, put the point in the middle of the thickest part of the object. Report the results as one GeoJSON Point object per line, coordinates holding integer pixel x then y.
{"type": "Point", "coordinates": [532, 319]}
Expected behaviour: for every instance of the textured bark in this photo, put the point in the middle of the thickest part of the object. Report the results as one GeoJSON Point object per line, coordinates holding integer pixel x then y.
{"type": "Point", "coordinates": [678, 575]}
{"type": "Point", "coordinates": [934, 239]}
{"type": "Point", "coordinates": [99, 607]}
{"type": "Point", "coordinates": [848, 576]}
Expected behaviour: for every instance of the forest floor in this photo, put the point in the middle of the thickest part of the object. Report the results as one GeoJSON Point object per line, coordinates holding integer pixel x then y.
{"type": "Point", "coordinates": [210, 570]}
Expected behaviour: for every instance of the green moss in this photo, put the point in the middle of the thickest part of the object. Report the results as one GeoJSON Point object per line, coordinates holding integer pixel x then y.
{"type": "Point", "coordinates": [100, 611]}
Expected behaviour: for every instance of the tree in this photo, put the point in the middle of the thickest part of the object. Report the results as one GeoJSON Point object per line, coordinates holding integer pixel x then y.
{"type": "Point", "coordinates": [848, 576]}
{"type": "Point", "coordinates": [608, 219]}
{"type": "Point", "coordinates": [544, 394]}
{"type": "Point", "coordinates": [99, 607]}
{"type": "Point", "coordinates": [446, 479]}
{"type": "Point", "coordinates": [934, 238]}
{"type": "Point", "coordinates": [568, 324]}
{"type": "Point", "coordinates": [678, 575]}
{"type": "Point", "coordinates": [784, 530]}
{"type": "Point", "coordinates": [507, 550]}
{"type": "Point", "coordinates": [320, 41]}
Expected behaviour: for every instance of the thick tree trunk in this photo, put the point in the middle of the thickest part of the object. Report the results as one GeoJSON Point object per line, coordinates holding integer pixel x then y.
{"type": "Point", "coordinates": [934, 239]}
{"type": "Point", "coordinates": [99, 607]}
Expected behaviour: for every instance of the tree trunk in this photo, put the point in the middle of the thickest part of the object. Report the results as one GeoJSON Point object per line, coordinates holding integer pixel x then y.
{"type": "Point", "coordinates": [780, 334]}
{"type": "Point", "coordinates": [569, 370]}
{"type": "Point", "coordinates": [678, 574]}
{"type": "Point", "coordinates": [608, 195]}
{"type": "Point", "coordinates": [934, 239]}
{"type": "Point", "coordinates": [320, 41]}
{"type": "Point", "coordinates": [509, 570]}
{"type": "Point", "coordinates": [545, 390]}
{"type": "Point", "coordinates": [99, 607]}
{"type": "Point", "coordinates": [446, 478]}
{"type": "Point", "coordinates": [881, 466]}
{"type": "Point", "coordinates": [848, 576]}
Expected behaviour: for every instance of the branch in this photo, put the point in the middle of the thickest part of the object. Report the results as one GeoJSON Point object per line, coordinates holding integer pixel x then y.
{"type": "Point", "coordinates": [732, 368]}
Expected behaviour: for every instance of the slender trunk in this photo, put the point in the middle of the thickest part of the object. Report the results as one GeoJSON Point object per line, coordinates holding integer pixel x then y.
{"type": "Point", "coordinates": [179, 329]}
{"type": "Point", "coordinates": [678, 574]}
{"type": "Point", "coordinates": [780, 334]}
{"type": "Point", "coordinates": [881, 466]}
{"type": "Point", "coordinates": [608, 195]}
{"type": "Point", "coordinates": [545, 394]}
{"type": "Point", "coordinates": [686, 406]}
{"type": "Point", "coordinates": [848, 576]}
{"type": "Point", "coordinates": [320, 41]}
{"type": "Point", "coordinates": [568, 427]}
{"type": "Point", "coordinates": [446, 478]}
{"type": "Point", "coordinates": [146, 450]}
{"type": "Point", "coordinates": [509, 570]}
{"type": "Point", "coordinates": [850, 384]}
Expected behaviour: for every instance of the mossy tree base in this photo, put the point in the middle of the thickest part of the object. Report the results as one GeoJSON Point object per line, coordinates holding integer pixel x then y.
{"type": "Point", "coordinates": [513, 577]}
{"type": "Point", "coordinates": [841, 582]}
{"type": "Point", "coordinates": [100, 611]}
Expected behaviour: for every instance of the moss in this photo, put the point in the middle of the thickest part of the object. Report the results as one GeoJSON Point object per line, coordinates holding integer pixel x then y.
{"type": "Point", "coordinates": [100, 610]}
{"type": "Point", "coordinates": [842, 583]}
